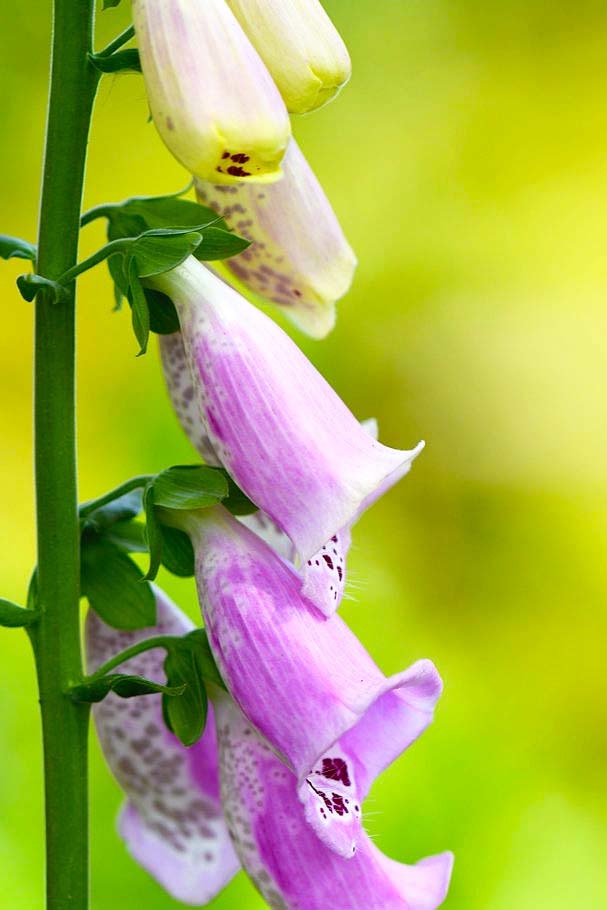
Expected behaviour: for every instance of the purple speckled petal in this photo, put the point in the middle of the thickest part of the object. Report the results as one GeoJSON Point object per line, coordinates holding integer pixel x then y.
{"type": "Point", "coordinates": [292, 868]}
{"type": "Point", "coordinates": [276, 425]}
{"type": "Point", "coordinates": [324, 574]}
{"type": "Point", "coordinates": [304, 681]}
{"type": "Point", "coordinates": [172, 822]}
{"type": "Point", "coordinates": [212, 99]}
{"type": "Point", "coordinates": [299, 257]}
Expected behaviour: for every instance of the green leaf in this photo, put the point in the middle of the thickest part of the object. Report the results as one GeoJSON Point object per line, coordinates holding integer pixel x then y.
{"type": "Point", "coordinates": [237, 502]}
{"type": "Point", "coordinates": [161, 250]}
{"type": "Point", "coordinates": [123, 508]}
{"type": "Point", "coordinates": [198, 642]}
{"type": "Point", "coordinates": [139, 308]}
{"type": "Point", "coordinates": [128, 536]}
{"type": "Point", "coordinates": [170, 212]}
{"type": "Point", "coordinates": [186, 714]}
{"type": "Point", "coordinates": [16, 248]}
{"type": "Point", "coordinates": [126, 61]}
{"type": "Point", "coordinates": [115, 586]}
{"type": "Point", "coordinates": [153, 534]}
{"type": "Point", "coordinates": [163, 315]}
{"type": "Point", "coordinates": [189, 487]}
{"type": "Point", "coordinates": [30, 285]}
{"type": "Point", "coordinates": [108, 4]}
{"type": "Point", "coordinates": [219, 244]}
{"type": "Point", "coordinates": [12, 616]}
{"type": "Point", "coordinates": [124, 685]}
{"type": "Point", "coordinates": [177, 552]}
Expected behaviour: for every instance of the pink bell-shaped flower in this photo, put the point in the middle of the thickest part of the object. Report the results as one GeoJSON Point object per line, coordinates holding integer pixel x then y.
{"type": "Point", "coordinates": [172, 821]}
{"type": "Point", "coordinates": [275, 424]}
{"type": "Point", "coordinates": [304, 681]}
{"type": "Point", "coordinates": [291, 867]}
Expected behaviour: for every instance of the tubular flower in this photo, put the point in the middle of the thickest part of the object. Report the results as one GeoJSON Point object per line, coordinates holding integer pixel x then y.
{"type": "Point", "coordinates": [262, 405]}
{"type": "Point", "coordinates": [212, 99]}
{"type": "Point", "coordinates": [300, 46]}
{"type": "Point", "coordinates": [291, 868]}
{"type": "Point", "coordinates": [299, 257]}
{"type": "Point", "coordinates": [324, 574]}
{"type": "Point", "coordinates": [172, 822]}
{"type": "Point", "coordinates": [304, 681]}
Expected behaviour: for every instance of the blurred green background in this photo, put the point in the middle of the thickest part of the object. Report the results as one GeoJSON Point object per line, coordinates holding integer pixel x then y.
{"type": "Point", "coordinates": [467, 161]}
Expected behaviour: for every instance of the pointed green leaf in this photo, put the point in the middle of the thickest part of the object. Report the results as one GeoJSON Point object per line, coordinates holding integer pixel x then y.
{"type": "Point", "coordinates": [161, 250]}
{"type": "Point", "coordinates": [177, 552]}
{"type": "Point", "coordinates": [16, 248]}
{"type": "Point", "coordinates": [171, 212]}
{"type": "Point", "coordinates": [189, 487]}
{"type": "Point", "coordinates": [30, 285]}
{"type": "Point", "coordinates": [187, 714]}
{"type": "Point", "coordinates": [124, 685]}
{"type": "Point", "coordinates": [139, 308]}
{"type": "Point", "coordinates": [153, 534]}
{"type": "Point", "coordinates": [12, 616]}
{"type": "Point", "coordinates": [115, 586]}
{"type": "Point", "coordinates": [198, 642]}
{"type": "Point", "coordinates": [219, 244]}
{"type": "Point", "coordinates": [128, 536]}
{"type": "Point", "coordinates": [163, 315]}
{"type": "Point", "coordinates": [125, 61]}
{"type": "Point", "coordinates": [123, 508]}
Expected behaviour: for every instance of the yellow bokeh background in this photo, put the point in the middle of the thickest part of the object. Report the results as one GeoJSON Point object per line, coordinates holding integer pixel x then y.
{"type": "Point", "coordinates": [467, 161]}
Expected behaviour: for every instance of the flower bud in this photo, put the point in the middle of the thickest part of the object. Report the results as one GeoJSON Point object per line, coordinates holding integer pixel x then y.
{"type": "Point", "coordinates": [299, 257]}
{"type": "Point", "coordinates": [212, 99]}
{"type": "Point", "coordinates": [300, 46]}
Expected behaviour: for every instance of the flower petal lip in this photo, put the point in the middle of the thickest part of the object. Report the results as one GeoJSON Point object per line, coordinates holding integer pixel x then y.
{"type": "Point", "coordinates": [300, 46]}
{"type": "Point", "coordinates": [299, 257]}
{"type": "Point", "coordinates": [263, 404]}
{"type": "Point", "coordinates": [211, 97]}
{"type": "Point", "coordinates": [172, 821]}
{"type": "Point", "coordinates": [304, 681]}
{"type": "Point", "coordinates": [265, 818]}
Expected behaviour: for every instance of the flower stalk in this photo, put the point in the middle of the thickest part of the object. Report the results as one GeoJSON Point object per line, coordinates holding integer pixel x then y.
{"type": "Point", "coordinates": [56, 636]}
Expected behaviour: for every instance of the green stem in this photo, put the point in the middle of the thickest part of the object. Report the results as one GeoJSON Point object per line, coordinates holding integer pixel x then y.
{"type": "Point", "coordinates": [114, 246]}
{"type": "Point", "coordinates": [98, 211]}
{"type": "Point", "coordinates": [159, 641]}
{"type": "Point", "coordinates": [135, 483]}
{"type": "Point", "coordinates": [56, 637]}
{"type": "Point", "coordinates": [118, 42]}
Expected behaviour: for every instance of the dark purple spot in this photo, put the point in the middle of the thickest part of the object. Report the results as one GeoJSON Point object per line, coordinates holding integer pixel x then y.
{"type": "Point", "coordinates": [336, 769]}
{"type": "Point", "coordinates": [225, 155]}
{"type": "Point", "coordinates": [240, 158]}
{"type": "Point", "coordinates": [238, 171]}
{"type": "Point", "coordinates": [328, 560]}
{"type": "Point", "coordinates": [340, 573]}
{"type": "Point", "coordinates": [297, 292]}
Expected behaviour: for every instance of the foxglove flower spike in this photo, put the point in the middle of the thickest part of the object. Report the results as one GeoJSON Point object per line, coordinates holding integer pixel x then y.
{"type": "Point", "coordinates": [172, 822]}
